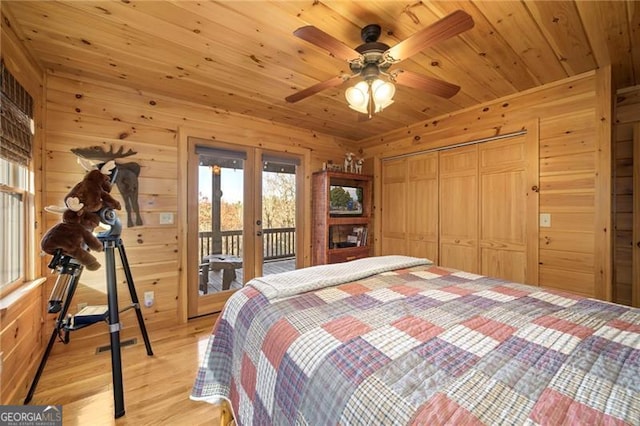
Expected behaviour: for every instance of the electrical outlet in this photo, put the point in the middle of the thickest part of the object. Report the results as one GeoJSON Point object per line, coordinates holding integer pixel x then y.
{"type": "Point", "coordinates": [545, 220]}
{"type": "Point", "coordinates": [149, 298]}
{"type": "Point", "coordinates": [81, 305]}
{"type": "Point", "coordinates": [166, 218]}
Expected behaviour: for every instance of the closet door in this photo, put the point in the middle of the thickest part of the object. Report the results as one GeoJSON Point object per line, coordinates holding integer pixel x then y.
{"type": "Point", "coordinates": [503, 209]}
{"type": "Point", "coordinates": [422, 206]}
{"type": "Point", "coordinates": [472, 208]}
{"type": "Point", "coordinates": [459, 208]}
{"type": "Point", "coordinates": [393, 209]}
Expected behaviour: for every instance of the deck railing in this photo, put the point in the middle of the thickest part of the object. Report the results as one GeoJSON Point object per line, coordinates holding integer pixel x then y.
{"type": "Point", "coordinates": [278, 243]}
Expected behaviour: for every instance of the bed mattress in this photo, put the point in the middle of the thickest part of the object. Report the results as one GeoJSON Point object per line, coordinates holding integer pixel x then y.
{"type": "Point", "coordinates": [423, 345]}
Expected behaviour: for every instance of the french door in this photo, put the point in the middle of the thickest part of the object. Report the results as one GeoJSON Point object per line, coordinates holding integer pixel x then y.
{"type": "Point", "coordinates": [243, 216]}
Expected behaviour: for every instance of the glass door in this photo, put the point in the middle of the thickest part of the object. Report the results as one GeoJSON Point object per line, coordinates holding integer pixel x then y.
{"type": "Point", "coordinates": [279, 213]}
{"type": "Point", "coordinates": [216, 224]}
{"type": "Point", "coordinates": [242, 217]}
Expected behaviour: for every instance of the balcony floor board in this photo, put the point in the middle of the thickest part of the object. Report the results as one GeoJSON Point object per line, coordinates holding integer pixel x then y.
{"type": "Point", "coordinates": [270, 267]}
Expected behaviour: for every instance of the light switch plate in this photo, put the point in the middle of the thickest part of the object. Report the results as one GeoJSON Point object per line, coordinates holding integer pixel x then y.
{"type": "Point", "coordinates": [166, 218]}
{"type": "Point", "coordinates": [545, 220]}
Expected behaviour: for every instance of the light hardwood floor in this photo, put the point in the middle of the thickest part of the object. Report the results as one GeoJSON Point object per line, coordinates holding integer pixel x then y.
{"type": "Point", "coordinates": [156, 388]}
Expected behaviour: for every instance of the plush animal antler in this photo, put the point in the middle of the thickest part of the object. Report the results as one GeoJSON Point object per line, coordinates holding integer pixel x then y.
{"type": "Point", "coordinates": [74, 204]}
{"type": "Point", "coordinates": [108, 167]}
{"type": "Point", "coordinates": [56, 209]}
{"type": "Point", "coordinates": [89, 165]}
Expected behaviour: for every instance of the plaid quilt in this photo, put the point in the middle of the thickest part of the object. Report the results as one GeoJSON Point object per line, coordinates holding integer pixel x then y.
{"type": "Point", "coordinates": [424, 346]}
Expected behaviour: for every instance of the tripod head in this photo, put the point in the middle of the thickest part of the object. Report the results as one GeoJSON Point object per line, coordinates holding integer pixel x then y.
{"type": "Point", "coordinates": [110, 217]}
{"type": "Point", "coordinates": [63, 263]}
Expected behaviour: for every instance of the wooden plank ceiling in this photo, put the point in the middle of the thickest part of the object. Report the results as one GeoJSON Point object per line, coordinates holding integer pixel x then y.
{"type": "Point", "coordinates": [241, 56]}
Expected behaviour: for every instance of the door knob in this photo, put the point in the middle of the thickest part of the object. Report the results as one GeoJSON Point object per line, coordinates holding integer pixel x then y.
{"type": "Point", "coordinates": [259, 233]}
{"type": "Point", "coordinates": [258, 222]}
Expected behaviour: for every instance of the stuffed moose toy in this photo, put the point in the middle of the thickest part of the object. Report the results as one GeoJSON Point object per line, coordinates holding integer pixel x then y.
{"type": "Point", "coordinates": [74, 235]}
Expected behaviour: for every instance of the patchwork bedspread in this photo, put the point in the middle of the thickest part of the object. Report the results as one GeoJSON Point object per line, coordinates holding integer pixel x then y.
{"type": "Point", "coordinates": [426, 346]}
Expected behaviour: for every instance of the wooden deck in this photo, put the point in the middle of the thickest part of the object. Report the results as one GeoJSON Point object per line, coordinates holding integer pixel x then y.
{"type": "Point", "coordinates": [270, 267]}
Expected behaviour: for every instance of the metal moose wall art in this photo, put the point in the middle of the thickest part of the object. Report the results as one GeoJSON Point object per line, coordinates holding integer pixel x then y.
{"type": "Point", "coordinates": [126, 177]}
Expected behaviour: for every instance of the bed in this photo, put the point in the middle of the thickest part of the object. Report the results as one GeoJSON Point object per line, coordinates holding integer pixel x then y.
{"type": "Point", "coordinates": [398, 340]}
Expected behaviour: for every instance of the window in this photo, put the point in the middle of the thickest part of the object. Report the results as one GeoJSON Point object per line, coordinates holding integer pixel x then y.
{"type": "Point", "coordinates": [13, 194]}
{"type": "Point", "coordinates": [16, 187]}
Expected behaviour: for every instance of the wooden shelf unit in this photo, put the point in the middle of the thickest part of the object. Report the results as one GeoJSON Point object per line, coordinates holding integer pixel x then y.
{"type": "Point", "coordinates": [331, 230]}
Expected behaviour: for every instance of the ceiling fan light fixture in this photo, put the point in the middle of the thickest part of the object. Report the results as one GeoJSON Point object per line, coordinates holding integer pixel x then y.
{"type": "Point", "coordinates": [380, 91]}
{"type": "Point", "coordinates": [383, 92]}
{"type": "Point", "coordinates": [358, 95]}
{"type": "Point", "coordinates": [380, 107]}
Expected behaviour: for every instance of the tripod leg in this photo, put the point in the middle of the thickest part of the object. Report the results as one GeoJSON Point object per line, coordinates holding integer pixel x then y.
{"type": "Point", "coordinates": [43, 362]}
{"type": "Point", "coordinates": [134, 297]}
{"type": "Point", "coordinates": [59, 324]}
{"type": "Point", "coordinates": [114, 329]}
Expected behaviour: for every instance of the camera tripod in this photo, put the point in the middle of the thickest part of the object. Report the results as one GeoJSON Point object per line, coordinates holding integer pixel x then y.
{"type": "Point", "coordinates": [69, 271]}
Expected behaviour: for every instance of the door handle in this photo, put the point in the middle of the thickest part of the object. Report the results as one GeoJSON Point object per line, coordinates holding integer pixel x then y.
{"type": "Point", "coordinates": [259, 233]}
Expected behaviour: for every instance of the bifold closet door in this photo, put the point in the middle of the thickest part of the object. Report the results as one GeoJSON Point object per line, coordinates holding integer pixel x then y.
{"type": "Point", "coordinates": [393, 209]}
{"type": "Point", "coordinates": [422, 206]}
{"type": "Point", "coordinates": [503, 208]}
{"type": "Point", "coordinates": [473, 207]}
{"type": "Point", "coordinates": [410, 206]}
{"type": "Point", "coordinates": [459, 208]}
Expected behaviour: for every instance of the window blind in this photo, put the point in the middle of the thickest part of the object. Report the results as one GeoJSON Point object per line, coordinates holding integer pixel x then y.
{"type": "Point", "coordinates": [16, 110]}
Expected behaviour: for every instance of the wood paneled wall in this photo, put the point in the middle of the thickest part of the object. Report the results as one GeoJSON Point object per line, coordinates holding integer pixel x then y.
{"type": "Point", "coordinates": [83, 113]}
{"type": "Point", "coordinates": [22, 311]}
{"type": "Point", "coordinates": [574, 126]}
{"type": "Point", "coordinates": [625, 188]}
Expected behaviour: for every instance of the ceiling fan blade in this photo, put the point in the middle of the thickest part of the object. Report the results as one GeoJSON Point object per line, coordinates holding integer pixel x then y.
{"type": "Point", "coordinates": [449, 26]}
{"type": "Point", "coordinates": [327, 42]}
{"type": "Point", "coordinates": [423, 82]}
{"type": "Point", "coordinates": [305, 93]}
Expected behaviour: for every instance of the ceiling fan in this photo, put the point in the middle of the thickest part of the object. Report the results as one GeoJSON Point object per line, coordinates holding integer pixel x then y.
{"type": "Point", "coordinates": [373, 59]}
